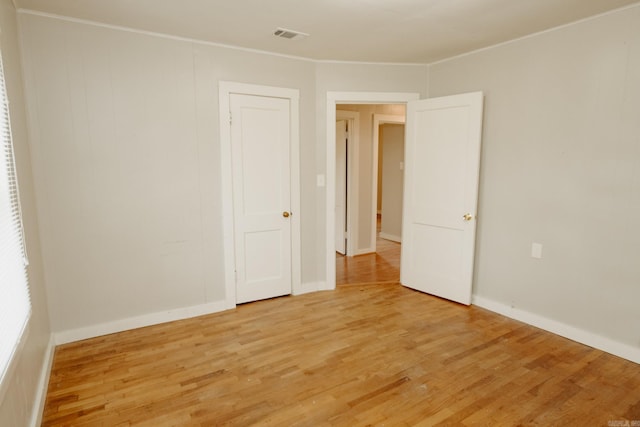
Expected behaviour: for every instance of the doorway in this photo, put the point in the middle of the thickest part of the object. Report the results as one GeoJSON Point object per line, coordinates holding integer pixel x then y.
{"type": "Point", "coordinates": [345, 98]}
{"type": "Point", "coordinates": [388, 144]}
{"type": "Point", "coordinates": [443, 142]}
{"type": "Point", "coordinates": [373, 236]}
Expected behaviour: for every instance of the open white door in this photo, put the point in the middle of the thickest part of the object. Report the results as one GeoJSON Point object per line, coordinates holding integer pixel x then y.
{"type": "Point", "coordinates": [341, 185]}
{"type": "Point", "coordinates": [442, 163]}
{"type": "Point", "coordinates": [260, 152]}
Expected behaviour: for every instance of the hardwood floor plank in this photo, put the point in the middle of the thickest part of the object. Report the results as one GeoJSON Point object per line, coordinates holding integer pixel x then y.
{"type": "Point", "coordinates": [356, 356]}
{"type": "Point", "coordinates": [380, 267]}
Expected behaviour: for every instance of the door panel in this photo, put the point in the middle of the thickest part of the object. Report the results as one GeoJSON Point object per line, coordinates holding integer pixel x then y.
{"type": "Point", "coordinates": [262, 255]}
{"type": "Point", "coordinates": [262, 162]}
{"type": "Point", "coordinates": [341, 185]}
{"type": "Point", "coordinates": [260, 150]}
{"type": "Point", "coordinates": [442, 164]}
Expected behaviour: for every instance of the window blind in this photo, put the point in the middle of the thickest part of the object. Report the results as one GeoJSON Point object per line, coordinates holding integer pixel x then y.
{"type": "Point", "coordinates": [15, 306]}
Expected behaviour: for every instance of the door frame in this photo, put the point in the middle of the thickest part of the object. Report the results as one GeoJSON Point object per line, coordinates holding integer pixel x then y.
{"type": "Point", "coordinates": [226, 89]}
{"type": "Point", "coordinates": [379, 119]}
{"type": "Point", "coordinates": [353, 138]}
{"type": "Point", "coordinates": [333, 99]}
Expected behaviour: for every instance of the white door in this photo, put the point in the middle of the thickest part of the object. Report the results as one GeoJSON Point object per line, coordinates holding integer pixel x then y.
{"type": "Point", "coordinates": [341, 185]}
{"type": "Point", "coordinates": [260, 152]}
{"type": "Point", "coordinates": [442, 163]}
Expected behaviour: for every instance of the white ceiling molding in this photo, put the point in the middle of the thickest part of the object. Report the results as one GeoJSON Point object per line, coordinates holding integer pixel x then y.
{"type": "Point", "coordinates": [373, 31]}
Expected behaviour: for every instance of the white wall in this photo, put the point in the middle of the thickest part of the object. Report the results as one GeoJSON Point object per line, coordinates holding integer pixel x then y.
{"type": "Point", "coordinates": [126, 154]}
{"type": "Point", "coordinates": [560, 166]}
{"type": "Point", "coordinates": [392, 141]}
{"type": "Point", "coordinates": [28, 378]}
{"type": "Point", "coordinates": [124, 129]}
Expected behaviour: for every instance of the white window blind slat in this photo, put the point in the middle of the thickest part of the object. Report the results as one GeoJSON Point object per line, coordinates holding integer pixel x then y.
{"type": "Point", "coordinates": [15, 306]}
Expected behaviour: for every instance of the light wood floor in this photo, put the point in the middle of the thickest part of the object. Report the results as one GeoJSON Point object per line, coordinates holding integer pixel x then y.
{"type": "Point", "coordinates": [368, 355]}
{"type": "Point", "coordinates": [383, 266]}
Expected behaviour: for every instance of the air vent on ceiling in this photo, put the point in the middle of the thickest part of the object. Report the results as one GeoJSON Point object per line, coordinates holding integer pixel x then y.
{"type": "Point", "coordinates": [289, 34]}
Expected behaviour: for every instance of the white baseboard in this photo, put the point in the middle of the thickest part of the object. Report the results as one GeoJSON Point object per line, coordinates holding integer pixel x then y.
{"type": "Point", "coordinates": [310, 287]}
{"type": "Point", "coordinates": [64, 337]}
{"type": "Point", "coordinates": [364, 251]}
{"type": "Point", "coordinates": [391, 237]}
{"type": "Point", "coordinates": [43, 384]}
{"type": "Point", "coordinates": [324, 286]}
{"type": "Point", "coordinates": [306, 288]}
{"type": "Point", "coordinates": [579, 335]}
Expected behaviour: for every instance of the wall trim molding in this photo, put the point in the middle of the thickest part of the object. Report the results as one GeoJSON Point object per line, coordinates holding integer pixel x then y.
{"type": "Point", "coordinates": [536, 34]}
{"type": "Point", "coordinates": [41, 14]}
{"type": "Point", "coordinates": [26, 11]}
{"type": "Point", "coordinates": [306, 288]}
{"type": "Point", "coordinates": [391, 237]}
{"type": "Point", "coordinates": [325, 286]}
{"type": "Point", "coordinates": [559, 328]}
{"type": "Point", "coordinates": [43, 384]}
{"type": "Point", "coordinates": [365, 251]}
{"type": "Point", "coordinates": [64, 337]}
{"type": "Point", "coordinates": [72, 335]}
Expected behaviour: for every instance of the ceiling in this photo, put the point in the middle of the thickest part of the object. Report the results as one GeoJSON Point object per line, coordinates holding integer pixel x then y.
{"type": "Point", "coordinates": [398, 31]}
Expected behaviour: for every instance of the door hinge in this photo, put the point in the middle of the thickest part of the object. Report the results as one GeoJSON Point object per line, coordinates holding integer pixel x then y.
{"type": "Point", "coordinates": [230, 118]}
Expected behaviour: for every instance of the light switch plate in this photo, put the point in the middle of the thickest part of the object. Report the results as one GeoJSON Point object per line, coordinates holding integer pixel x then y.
{"type": "Point", "coordinates": [320, 182]}
{"type": "Point", "coordinates": [536, 250]}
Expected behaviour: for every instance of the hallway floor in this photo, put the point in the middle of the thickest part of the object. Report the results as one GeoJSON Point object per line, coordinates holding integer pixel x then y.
{"type": "Point", "coordinates": [383, 266]}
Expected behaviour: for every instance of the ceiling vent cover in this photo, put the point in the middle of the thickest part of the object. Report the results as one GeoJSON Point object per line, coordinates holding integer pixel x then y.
{"type": "Point", "coordinates": [289, 34]}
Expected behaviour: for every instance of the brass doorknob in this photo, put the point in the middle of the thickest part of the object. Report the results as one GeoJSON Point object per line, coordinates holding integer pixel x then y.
{"type": "Point", "coordinates": [285, 214]}
{"type": "Point", "coordinates": [467, 217]}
